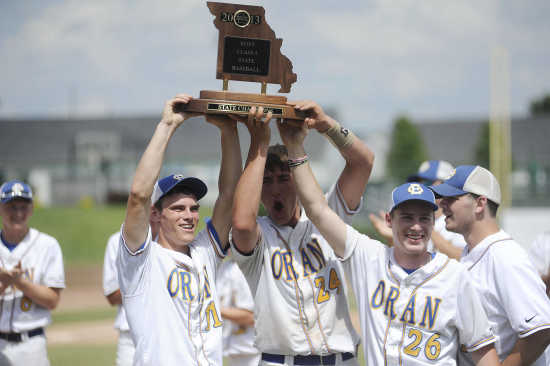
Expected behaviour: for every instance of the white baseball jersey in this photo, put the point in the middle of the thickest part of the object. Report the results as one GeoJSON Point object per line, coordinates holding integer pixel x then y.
{"type": "Point", "coordinates": [539, 253]}
{"type": "Point", "coordinates": [456, 239]}
{"type": "Point", "coordinates": [299, 288]}
{"type": "Point", "coordinates": [125, 347]}
{"type": "Point", "coordinates": [234, 293]}
{"type": "Point", "coordinates": [42, 263]}
{"type": "Point", "coordinates": [512, 292]}
{"type": "Point", "coordinates": [421, 318]}
{"type": "Point", "coordinates": [110, 278]}
{"type": "Point", "coordinates": [171, 301]}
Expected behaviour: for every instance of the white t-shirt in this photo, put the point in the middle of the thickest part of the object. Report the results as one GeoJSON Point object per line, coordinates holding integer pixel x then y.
{"type": "Point", "coordinates": [234, 293]}
{"type": "Point", "coordinates": [299, 288]}
{"type": "Point", "coordinates": [171, 301]}
{"type": "Point", "coordinates": [421, 318]}
{"type": "Point", "coordinates": [42, 263]}
{"type": "Point", "coordinates": [110, 278]}
{"type": "Point", "coordinates": [513, 293]}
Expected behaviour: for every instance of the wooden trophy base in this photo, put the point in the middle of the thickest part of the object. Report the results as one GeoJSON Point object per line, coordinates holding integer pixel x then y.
{"type": "Point", "coordinates": [223, 102]}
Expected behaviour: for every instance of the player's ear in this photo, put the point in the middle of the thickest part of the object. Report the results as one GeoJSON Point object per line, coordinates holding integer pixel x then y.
{"type": "Point", "coordinates": [155, 214]}
{"type": "Point", "coordinates": [388, 219]}
{"type": "Point", "coordinates": [481, 204]}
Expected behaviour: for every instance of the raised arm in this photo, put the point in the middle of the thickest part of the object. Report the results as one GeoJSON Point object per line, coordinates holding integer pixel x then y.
{"type": "Point", "coordinates": [136, 223]}
{"type": "Point", "coordinates": [249, 188]}
{"type": "Point", "coordinates": [311, 196]}
{"type": "Point", "coordinates": [359, 158]}
{"type": "Point", "coordinates": [230, 171]}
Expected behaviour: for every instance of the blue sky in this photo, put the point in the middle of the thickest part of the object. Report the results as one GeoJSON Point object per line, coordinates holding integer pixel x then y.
{"type": "Point", "coordinates": [372, 60]}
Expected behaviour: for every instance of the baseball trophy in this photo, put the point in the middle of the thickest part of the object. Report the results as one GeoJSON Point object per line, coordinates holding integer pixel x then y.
{"type": "Point", "coordinates": [248, 50]}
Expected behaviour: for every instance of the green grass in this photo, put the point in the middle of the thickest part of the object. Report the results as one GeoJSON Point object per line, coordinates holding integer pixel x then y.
{"type": "Point", "coordinates": [87, 315]}
{"type": "Point", "coordinates": [82, 232]}
{"type": "Point", "coordinates": [82, 355]}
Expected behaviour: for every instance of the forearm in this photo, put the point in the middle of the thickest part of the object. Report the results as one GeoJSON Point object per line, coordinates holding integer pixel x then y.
{"type": "Point", "coordinates": [486, 356]}
{"type": "Point", "coordinates": [311, 196]}
{"type": "Point", "coordinates": [528, 349]}
{"type": "Point", "coordinates": [247, 198]}
{"type": "Point", "coordinates": [241, 317]}
{"type": "Point", "coordinates": [146, 175]}
{"type": "Point", "coordinates": [230, 171]}
{"type": "Point", "coordinates": [42, 295]}
{"type": "Point", "coordinates": [359, 162]}
{"type": "Point", "coordinates": [445, 246]}
{"type": "Point", "coordinates": [114, 298]}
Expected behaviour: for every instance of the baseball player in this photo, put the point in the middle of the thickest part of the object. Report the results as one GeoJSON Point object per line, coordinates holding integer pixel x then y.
{"type": "Point", "coordinates": [31, 279]}
{"type": "Point", "coordinates": [415, 307]}
{"type": "Point", "coordinates": [301, 310]}
{"type": "Point", "coordinates": [168, 286]}
{"type": "Point", "coordinates": [125, 348]}
{"type": "Point", "coordinates": [539, 253]}
{"type": "Point", "coordinates": [449, 243]}
{"type": "Point", "coordinates": [237, 310]}
{"type": "Point", "coordinates": [512, 292]}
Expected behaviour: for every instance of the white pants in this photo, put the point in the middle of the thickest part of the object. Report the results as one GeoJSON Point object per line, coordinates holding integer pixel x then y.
{"type": "Point", "coordinates": [125, 349]}
{"type": "Point", "coordinates": [31, 351]}
{"type": "Point", "coordinates": [289, 361]}
{"type": "Point", "coordinates": [242, 360]}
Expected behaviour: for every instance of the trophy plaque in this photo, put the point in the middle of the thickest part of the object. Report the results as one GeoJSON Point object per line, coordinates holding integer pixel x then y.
{"type": "Point", "coordinates": [248, 50]}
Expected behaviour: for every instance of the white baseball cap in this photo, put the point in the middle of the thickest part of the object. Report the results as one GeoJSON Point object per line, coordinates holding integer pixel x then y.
{"type": "Point", "coordinates": [470, 179]}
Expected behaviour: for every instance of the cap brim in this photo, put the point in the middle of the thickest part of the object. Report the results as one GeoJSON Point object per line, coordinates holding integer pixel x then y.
{"type": "Point", "coordinates": [446, 190]}
{"type": "Point", "coordinates": [195, 185]}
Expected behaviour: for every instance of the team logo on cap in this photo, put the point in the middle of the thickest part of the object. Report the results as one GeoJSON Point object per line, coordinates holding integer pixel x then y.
{"type": "Point", "coordinates": [17, 189]}
{"type": "Point", "coordinates": [415, 189]}
{"type": "Point", "coordinates": [450, 175]}
{"type": "Point", "coordinates": [178, 176]}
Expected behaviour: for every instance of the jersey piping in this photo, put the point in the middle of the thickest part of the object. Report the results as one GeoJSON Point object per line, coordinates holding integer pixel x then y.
{"type": "Point", "coordinates": [296, 290]}
{"type": "Point", "coordinates": [486, 250]}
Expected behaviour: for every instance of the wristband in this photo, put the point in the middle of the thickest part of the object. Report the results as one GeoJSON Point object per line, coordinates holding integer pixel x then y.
{"type": "Point", "coordinates": [297, 162]}
{"type": "Point", "coordinates": [339, 136]}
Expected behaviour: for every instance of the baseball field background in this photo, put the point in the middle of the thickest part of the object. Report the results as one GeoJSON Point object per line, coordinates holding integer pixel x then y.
{"type": "Point", "coordinates": [82, 331]}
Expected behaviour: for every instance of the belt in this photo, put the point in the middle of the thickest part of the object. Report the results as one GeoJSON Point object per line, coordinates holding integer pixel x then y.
{"type": "Point", "coordinates": [310, 360]}
{"type": "Point", "coordinates": [18, 337]}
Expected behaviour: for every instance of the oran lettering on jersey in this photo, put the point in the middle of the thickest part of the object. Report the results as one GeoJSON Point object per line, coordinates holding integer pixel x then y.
{"type": "Point", "coordinates": [312, 262]}
{"type": "Point", "coordinates": [181, 285]}
{"type": "Point", "coordinates": [384, 299]}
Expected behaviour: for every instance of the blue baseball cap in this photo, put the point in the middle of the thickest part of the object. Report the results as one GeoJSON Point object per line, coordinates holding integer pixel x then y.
{"type": "Point", "coordinates": [166, 184]}
{"type": "Point", "coordinates": [470, 179]}
{"type": "Point", "coordinates": [432, 170]}
{"type": "Point", "coordinates": [412, 191]}
{"type": "Point", "coordinates": [15, 189]}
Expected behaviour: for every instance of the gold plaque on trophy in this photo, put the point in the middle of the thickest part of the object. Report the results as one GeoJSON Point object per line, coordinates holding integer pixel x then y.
{"type": "Point", "coordinates": [248, 50]}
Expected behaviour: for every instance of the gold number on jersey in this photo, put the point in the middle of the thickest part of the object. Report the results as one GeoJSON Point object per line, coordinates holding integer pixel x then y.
{"type": "Point", "coordinates": [412, 349]}
{"type": "Point", "coordinates": [26, 303]}
{"type": "Point", "coordinates": [432, 348]}
{"type": "Point", "coordinates": [323, 295]}
{"type": "Point", "coordinates": [212, 312]}
{"type": "Point", "coordinates": [334, 281]}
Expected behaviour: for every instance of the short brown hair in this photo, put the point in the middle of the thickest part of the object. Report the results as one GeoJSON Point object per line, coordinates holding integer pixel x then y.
{"type": "Point", "coordinates": [493, 206]}
{"type": "Point", "coordinates": [277, 157]}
